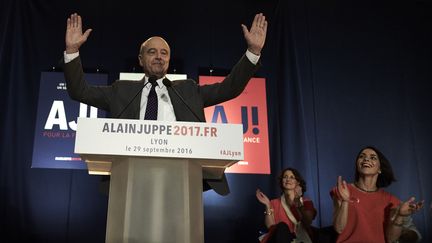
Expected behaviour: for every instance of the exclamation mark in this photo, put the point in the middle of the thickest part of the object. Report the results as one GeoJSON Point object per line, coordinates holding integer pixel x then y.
{"type": "Point", "coordinates": [255, 130]}
{"type": "Point", "coordinates": [244, 115]}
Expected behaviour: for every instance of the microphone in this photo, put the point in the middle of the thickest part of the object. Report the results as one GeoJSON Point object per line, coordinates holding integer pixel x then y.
{"type": "Point", "coordinates": [168, 84]}
{"type": "Point", "coordinates": [152, 80]}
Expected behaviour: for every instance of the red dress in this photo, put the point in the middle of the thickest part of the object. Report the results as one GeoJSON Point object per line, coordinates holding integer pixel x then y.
{"type": "Point", "coordinates": [367, 216]}
{"type": "Point", "coordinates": [281, 216]}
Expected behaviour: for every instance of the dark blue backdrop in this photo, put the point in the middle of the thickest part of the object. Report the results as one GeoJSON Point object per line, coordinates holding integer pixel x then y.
{"type": "Point", "coordinates": [340, 75]}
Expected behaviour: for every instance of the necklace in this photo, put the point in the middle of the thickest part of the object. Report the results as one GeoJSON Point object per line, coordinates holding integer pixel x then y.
{"type": "Point", "coordinates": [363, 190]}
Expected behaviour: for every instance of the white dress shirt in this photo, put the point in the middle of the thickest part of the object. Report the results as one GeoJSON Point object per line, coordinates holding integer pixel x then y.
{"type": "Point", "coordinates": [165, 108]}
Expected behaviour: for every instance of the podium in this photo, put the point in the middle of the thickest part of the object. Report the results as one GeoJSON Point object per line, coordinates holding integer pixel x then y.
{"type": "Point", "coordinates": [156, 173]}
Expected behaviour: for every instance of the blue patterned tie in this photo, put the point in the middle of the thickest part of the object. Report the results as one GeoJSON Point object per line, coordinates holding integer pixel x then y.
{"type": "Point", "coordinates": [152, 102]}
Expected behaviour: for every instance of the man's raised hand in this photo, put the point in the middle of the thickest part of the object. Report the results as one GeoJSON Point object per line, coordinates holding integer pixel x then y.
{"type": "Point", "coordinates": [255, 37]}
{"type": "Point", "coordinates": [74, 35]}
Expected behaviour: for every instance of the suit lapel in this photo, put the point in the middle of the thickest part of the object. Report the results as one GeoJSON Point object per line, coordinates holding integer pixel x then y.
{"type": "Point", "coordinates": [176, 103]}
{"type": "Point", "coordinates": [136, 103]}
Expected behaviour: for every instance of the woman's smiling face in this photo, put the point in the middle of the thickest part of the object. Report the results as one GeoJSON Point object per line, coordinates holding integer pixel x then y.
{"type": "Point", "coordinates": [289, 181]}
{"type": "Point", "coordinates": [368, 162]}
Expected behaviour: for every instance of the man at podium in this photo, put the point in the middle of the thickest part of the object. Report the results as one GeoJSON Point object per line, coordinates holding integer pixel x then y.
{"type": "Point", "coordinates": [155, 97]}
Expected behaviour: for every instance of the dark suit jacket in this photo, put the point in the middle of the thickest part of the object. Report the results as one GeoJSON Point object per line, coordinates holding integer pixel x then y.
{"type": "Point", "coordinates": [116, 97]}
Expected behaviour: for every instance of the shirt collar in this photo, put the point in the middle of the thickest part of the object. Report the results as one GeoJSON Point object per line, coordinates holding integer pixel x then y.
{"type": "Point", "coordinates": [159, 81]}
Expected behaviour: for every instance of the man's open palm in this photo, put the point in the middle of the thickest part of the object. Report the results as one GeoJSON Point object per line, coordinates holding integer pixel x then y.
{"type": "Point", "coordinates": [74, 36]}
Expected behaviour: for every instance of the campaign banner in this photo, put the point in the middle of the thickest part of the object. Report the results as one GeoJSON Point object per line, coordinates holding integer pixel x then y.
{"type": "Point", "coordinates": [249, 109]}
{"type": "Point", "coordinates": [56, 122]}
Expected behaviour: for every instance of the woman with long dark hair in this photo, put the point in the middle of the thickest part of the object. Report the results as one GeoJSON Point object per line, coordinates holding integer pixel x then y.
{"type": "Point", "coordinates": [363, 211]}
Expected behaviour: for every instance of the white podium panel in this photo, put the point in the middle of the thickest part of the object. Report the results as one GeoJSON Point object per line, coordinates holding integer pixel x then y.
{"type": "Point", "coordinates": [213, 145]}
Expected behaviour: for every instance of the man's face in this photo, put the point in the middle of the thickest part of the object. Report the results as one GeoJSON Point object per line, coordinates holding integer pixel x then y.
{"type": "Point", "coordinates": [154, 57]}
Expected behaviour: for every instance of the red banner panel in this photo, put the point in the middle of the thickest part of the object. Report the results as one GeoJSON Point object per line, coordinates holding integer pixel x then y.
{"type": "Point", "coordinates": [249, 109]}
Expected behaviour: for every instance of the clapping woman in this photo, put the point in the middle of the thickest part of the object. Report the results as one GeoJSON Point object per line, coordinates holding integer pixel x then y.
{"type": "Point", "coordinates": [289, 216]}
{"type": "Point", "coordinates": [363, 211]}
